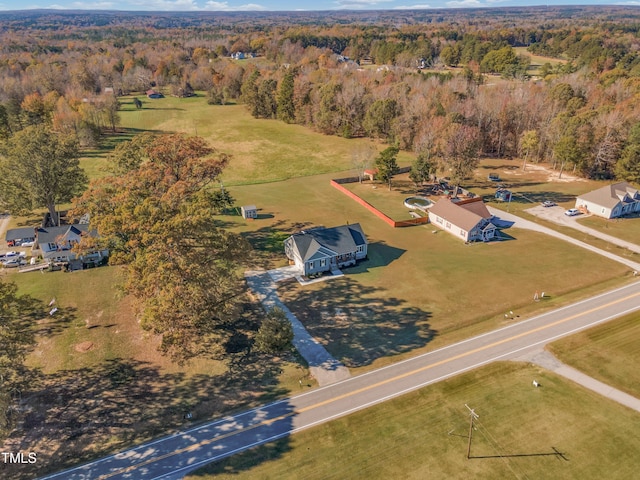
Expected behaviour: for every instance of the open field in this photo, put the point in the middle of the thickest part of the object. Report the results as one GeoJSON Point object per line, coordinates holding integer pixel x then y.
{"type": "Point", "coordinates": [537, 60]}
{"type": "Point", "coordinates": [424, 435]}
{"type": "Point", "coordinates": [262, 150]}
{"type": "Point", "coordinates": [417, 289]}
{"type": "Point", "coordinates": [608, 352]}
{"type": "Point", "coordinates": [100, 385]}
{"type": "Point", "coordinates": [531, 186]}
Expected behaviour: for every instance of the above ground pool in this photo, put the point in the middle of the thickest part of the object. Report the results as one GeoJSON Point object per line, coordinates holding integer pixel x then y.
{"type": "Point", "coordinates": [421, 203]}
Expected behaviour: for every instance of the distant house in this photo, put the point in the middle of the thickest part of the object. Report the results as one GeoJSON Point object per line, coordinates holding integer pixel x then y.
{"type": "Point", "coordinates": [611, 201]}
{"type": "Point", "coordinates": [249, 211]}
{"type": "Point", "coordinates": [17, 237]}
{"type": "Point", "coordinates": [238, 55]}
{"type": "Point", "coordinates": [366, 61]}
{"type": "Point", "coordinates": [468, 220]}
{"type": "Point", "coordinates": [56, 243]}
{"type": "Point", "coordinates": [154, 94]}
{"type": "Point", "coordinates": [325, 249]}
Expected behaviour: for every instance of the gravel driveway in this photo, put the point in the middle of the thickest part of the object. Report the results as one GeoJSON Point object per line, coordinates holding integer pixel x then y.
{"type": "Point", "coordinates": [556, 215]}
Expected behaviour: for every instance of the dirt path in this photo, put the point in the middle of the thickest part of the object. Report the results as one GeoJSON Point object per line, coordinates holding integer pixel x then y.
{"type": "Point", "coordinates": [4, 223]}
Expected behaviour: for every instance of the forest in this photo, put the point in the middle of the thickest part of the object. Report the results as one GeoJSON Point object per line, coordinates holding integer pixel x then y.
{"type": "Point", "coordinates": [426, 81]}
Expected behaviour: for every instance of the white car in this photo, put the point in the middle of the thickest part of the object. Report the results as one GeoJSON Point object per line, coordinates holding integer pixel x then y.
{"type": "Point", "coordinates": [572, 212]}
{"type": "Point", "coordinates": [14, 262]}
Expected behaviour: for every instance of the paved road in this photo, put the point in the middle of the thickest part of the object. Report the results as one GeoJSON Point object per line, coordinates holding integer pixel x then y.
{"type": "Point", "coordinates": [174, 456]}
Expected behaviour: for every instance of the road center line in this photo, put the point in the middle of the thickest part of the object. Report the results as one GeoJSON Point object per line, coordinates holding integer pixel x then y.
{"type": "Point", "coordinates": [364, 389]}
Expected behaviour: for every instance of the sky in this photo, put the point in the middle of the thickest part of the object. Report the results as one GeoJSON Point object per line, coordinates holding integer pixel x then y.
{"type": "Point", "coordinates": [286, 5]}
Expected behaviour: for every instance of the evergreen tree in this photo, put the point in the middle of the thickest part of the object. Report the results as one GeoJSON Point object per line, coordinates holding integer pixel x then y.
{"type": "Point", "coordinates": [286, 108]}
{"type": "Point", "coordinates": [386, 164]}
{"type": "Point", "coordinates": [275, 334]}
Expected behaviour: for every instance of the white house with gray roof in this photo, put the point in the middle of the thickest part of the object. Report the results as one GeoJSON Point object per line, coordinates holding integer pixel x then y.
{"type": "Point", "coordinates": [56, 243]}
{"type": "Point", "coordinates": [324, 249]}
{"type": "Point", "coordinates": [612, 201]}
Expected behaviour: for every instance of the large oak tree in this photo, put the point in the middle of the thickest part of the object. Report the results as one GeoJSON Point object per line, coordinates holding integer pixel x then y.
{"type": "Point", "coordinates": [158, 218]}
{"type": "Point", "coordinates": [40, 168]}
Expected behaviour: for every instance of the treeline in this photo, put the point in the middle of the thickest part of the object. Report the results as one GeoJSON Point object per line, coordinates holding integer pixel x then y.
{"type": "Point", "coordinates": [434, 73]}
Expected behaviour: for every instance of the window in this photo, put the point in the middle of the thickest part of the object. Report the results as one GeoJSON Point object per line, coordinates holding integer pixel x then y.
{"type": "Point", "coordinates": [310, 265]}
{"type": "Point", "coordinates": [439, 220]}
{"type": "Point", "coordinates": [360, 248]}
{"type": "Point", "coordinates": [462, 232]}
{"type": "Point", "coordinates": [448, 225]}
{"type": "Point", "coordinates": [323, 262]}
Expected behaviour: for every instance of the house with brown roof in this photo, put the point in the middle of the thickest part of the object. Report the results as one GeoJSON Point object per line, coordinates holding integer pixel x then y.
{"type": "Point", "coordinates": [468, 220]}
{"type": "Point", "coordinates": [612, 201]}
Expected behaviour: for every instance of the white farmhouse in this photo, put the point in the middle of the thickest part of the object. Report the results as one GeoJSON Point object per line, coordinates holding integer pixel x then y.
{"type": "Point", "coordinates": [611, 201]}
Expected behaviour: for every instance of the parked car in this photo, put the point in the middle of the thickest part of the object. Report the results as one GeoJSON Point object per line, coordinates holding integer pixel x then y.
{"type": "Point", "coordinates": [548, 203]}
{"type": "Point", "coordinates": [572, 212]}
{"type": "Point", "coordinates": [29, 243]}
{"type": "Point", "coordinates": [14, 262]}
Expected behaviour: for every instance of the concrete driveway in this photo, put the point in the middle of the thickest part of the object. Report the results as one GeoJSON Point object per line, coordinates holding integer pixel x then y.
{"type": "Point", "coordinates": [520, 222]}
{"type": "Point", "coordinates": [324, 368]}
{"type": "Point", "coordinates": [556, 215]}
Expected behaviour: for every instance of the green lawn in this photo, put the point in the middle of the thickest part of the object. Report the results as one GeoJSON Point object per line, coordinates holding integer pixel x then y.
{"type": "Point", "coordinates": [417, 289]}
{"type": "Point", "coordinates": [262, 150]}
{"type": "Point", "coordinates": [607, 352]}
{"type": "Point", "coordinates": [390, 202]}
{"type": "Point", "coordinates": [96, 366]}
{"type": "Point", "coordinates": [624, 228]}
{"type": "Point", "coordinates": [424, 435]}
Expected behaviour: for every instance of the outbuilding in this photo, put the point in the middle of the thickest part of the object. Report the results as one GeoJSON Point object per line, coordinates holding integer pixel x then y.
{"type": "Point", "coordinates": [249, 211]}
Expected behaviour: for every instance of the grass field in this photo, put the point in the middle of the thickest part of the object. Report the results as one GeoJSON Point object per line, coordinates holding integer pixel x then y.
{"type": "Point", "coordinates": [96, 367]}
{"type": "Point", "coordinates": [608, 352]}
{"type": "Point", "coordinates": [537, 60]}
{"type": "Point", "coordinates": [390, 202]}
{"type": "Point", "coordinates": [627, 228]}
{"type": "Point", "coordinates": [262, 150]}
{"type": "Point", "coordinates": [417, 288]}
{"type": "Point", "coordinates": [424, 435]}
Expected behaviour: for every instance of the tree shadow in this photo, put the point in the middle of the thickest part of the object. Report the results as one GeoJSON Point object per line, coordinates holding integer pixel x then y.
{"type": "Point", "coordinates": [111, 140]}
{"type": "Point", "coordinates": [78, 415]}
{"type": "Point", "coordinates": [358, 324]}
{"type": "Point", "coordinates": [379, 254]}
{"type": "Point", "coordinates": [539, 197]}
{"type": "Point", "coordinates": [268, 241]}
{"type": "Point", "coordinates": [48, 324]}
{"type": "Point", "coordinates": [246, 460]}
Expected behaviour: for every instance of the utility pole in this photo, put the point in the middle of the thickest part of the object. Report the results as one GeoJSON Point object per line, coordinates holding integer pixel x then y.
{"type": "Point", "coordinates": [472, 416]}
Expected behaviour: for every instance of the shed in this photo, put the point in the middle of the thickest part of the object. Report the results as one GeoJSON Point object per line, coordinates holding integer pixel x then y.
{"type": "Point", "coordinates": [503, 194]}
{"type": "Point", "coordinates": [249, 211]}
